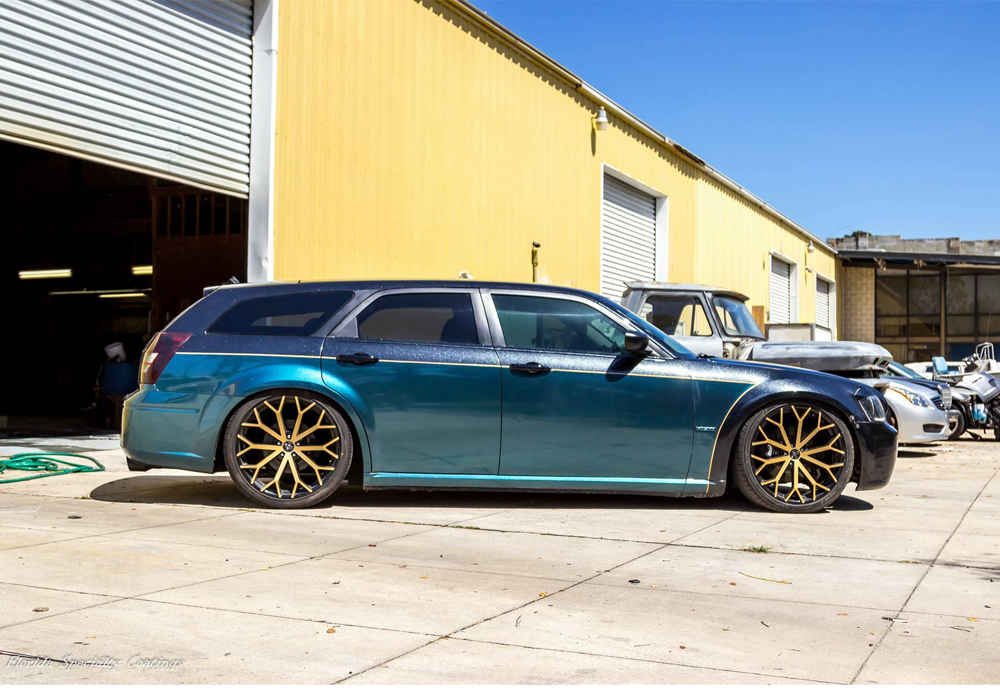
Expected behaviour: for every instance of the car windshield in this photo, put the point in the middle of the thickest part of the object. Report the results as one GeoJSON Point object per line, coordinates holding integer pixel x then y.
{"type": "Point", "coordinates": [653, 332]}
{"type": "Point", "coordinates": [904, 371]}
{"type": "Point", "coordinates": [735, 318]}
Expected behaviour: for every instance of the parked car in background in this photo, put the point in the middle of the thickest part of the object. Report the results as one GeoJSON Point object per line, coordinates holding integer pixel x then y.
{"type": "Point", "coordinates": [983, 389]}
{"type": "Point", "coordinates": [916, 413]}
{"type": "Point", "coordinates": [716, 322]}
{"type": "Point", "coordinates": [416, 385]}
{"type": "Point", "coordinates": [955, 401]}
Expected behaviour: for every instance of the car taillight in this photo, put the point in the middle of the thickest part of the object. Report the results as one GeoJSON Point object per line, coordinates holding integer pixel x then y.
{"type": "Point", "coordinates": [161, 348]}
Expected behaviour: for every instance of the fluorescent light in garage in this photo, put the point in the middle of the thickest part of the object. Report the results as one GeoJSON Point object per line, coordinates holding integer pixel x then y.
{"type": "Point", "coordinates": [100, 292]}
{"type": "Point", "coordinates": [142, 270]}
{"type": "Point", "coordinates": [122, 295]}
{"type": "Point", "coordinates": [44, 274]}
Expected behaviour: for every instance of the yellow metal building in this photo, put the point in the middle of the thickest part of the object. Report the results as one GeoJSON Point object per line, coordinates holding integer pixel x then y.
{"type": "Point", "coordinates": [420, 139]}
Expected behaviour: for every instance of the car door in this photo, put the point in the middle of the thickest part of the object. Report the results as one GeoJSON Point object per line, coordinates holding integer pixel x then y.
{"type": "Point", "coordinates": [574, 404]}
{"type": "Point", "coordinates": [420, 368]}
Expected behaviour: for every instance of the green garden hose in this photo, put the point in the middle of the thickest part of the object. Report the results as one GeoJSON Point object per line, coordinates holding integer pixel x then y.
{"type": "Point", "coordinates": [44, 464]}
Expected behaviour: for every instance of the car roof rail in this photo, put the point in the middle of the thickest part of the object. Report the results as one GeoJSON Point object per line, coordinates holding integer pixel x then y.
{"type": "Point", "coordinates": [208, 290]}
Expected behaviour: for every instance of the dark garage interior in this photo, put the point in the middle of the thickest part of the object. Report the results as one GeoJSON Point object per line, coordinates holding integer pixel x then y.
{"type": "Point", "coordinates": [96, 255]}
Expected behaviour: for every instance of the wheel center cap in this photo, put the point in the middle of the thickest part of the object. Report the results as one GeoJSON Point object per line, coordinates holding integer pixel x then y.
{"type": "Point", "coordinates": [794, 454]}
{"type": "Point", "coordinates": [288, 447]}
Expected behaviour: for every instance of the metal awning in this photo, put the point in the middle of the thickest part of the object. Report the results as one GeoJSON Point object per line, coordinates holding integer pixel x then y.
{"type": "Point", "coordinates": [865, 258]}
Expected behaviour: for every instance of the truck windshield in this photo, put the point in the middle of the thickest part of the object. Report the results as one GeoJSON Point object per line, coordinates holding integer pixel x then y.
{"type": "Point", "coordinates": [656, 334]}
{"type": "Point", "coordinates": [649, 329]}
{"type": "Point", "coordinates": [735, 318]}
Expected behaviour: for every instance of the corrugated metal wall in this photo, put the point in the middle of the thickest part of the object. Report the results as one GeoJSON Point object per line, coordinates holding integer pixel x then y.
{"type": "Point", "coordinates": [412, 143]}
{"type": "Point", "coordinates": [734, 242]}
{"type": "Point", "coordinates": [158, 86]}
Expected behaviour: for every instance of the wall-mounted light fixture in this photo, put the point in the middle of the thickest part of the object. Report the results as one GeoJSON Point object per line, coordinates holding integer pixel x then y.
{"type": "Point", "coordinates": [138, 270]}
{"type": "Point", "coordinates": [44, 274]}
{"type": "Point", "coordinates": [601, 120]}
{"type": "Point", "coordinates": [811, 247]}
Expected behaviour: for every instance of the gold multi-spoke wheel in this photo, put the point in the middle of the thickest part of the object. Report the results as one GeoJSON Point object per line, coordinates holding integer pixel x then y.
{"type": "Point", "coordinates": [287, 450]}
{"type": "Point", "coordinates": [794, 458]}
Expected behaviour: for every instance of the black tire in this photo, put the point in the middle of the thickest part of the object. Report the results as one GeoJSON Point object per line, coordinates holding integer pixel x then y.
{"type": "Point", "coordinates": [303, 468]}
{"type": "Point", "coordinates": [821, 460]}
{"type": "Point", "coordinates": [890, 417]}
{"type": "Point", "coordinates": [959, 427]}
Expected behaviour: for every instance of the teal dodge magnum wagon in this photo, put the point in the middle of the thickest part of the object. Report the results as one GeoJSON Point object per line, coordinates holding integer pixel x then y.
{"type": "Point", "coordinates": [467, 385]}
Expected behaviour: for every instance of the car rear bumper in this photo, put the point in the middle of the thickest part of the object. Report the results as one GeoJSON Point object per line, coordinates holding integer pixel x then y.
{"type": "Point", "coordinates": [876, 454]}
{"type": "Point", "coordinates": [173, 430]}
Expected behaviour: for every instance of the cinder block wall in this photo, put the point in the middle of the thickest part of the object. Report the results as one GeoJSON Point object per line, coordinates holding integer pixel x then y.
{"type": "Point", "coordinates": [858, 310]}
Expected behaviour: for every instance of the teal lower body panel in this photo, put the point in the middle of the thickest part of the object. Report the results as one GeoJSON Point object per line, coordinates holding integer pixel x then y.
{"type": "Point", "coordinates": [174, 430]}
{"type": "Point", "coordinates": [503, 482]}
{"type": "Point", "coordinates": [714, 401]}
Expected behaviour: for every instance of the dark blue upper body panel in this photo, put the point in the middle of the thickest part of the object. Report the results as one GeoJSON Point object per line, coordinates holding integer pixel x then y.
{"type": "Point", "coordinates": [198, 317]}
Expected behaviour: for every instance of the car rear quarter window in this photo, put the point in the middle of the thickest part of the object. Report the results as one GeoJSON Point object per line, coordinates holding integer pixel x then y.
{"type": "Point", "coordinates": [287, 314]}
{"type": "Point", "coordinates": [420, 318]}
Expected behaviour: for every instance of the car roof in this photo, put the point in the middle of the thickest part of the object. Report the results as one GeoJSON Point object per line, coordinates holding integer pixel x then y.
{"type": "Point", "coordinates": [679, 287]}
{"type": "Point", "coordinates": [337, 285]}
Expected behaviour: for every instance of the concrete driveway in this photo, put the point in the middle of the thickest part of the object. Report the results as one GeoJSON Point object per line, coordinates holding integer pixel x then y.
{"type": "Point", "coordinates": [170, 577]}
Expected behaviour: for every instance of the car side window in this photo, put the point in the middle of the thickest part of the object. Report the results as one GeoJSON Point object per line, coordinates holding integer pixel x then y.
{"type": "Point", "coordinates": [549, 323]}
{"type": "Point", "coordinates": [420, 318]}
{"type": "Point", "coordinates": [284, 314]}
{"type": "Point", "coordinates": [677, 314]}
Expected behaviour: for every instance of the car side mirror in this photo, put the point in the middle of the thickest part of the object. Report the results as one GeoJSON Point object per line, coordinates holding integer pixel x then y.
{"type": "Point", "coordinates": [637, 343]}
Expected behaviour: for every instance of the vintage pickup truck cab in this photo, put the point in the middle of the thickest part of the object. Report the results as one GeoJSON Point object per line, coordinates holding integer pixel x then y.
{"type": "Point", "coordinates": [716, 322]}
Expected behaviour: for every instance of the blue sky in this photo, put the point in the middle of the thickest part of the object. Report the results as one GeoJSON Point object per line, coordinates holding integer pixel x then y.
{"type": "Point", "coordinates": [843, 115]}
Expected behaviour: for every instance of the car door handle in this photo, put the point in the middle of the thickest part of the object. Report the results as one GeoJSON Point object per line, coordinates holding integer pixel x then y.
{"type": "Point", "coordinates": [358, 358]}
{"type": "Point", "coordinates": [530, 368]}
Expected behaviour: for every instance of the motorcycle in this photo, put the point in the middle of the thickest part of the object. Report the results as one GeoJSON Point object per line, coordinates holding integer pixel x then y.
{"type": "Point", "coordinates": [975, 391]}
{"type": "Point", "coordinates": [984, 359]}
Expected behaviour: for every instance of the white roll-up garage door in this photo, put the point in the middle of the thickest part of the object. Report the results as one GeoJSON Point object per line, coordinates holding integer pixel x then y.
{"type": "Point", "coordinates": [157, 86]}
{"type": "Point", "coordinates": [781, 291]}
{"type": "Point", "coordinates": [822, 303]}
{"type": "Point", "coordinates": [628, 237]}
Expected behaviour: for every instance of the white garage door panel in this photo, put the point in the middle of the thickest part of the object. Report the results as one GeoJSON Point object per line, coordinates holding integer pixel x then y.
{"type": "Point", "coordinates": [628, 237]}
{"type": "Point", "coordinates": [159, 86]}
{"type": "Point", "coordinates": [822, 303]}
{"type": "Point", "coordinates": [781, 291]}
